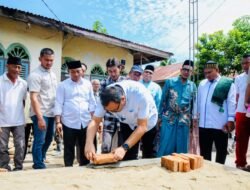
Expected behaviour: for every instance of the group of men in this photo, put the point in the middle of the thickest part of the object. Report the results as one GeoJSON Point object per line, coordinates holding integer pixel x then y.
{"type": "Point", "coordinates": [212, 109]}
{"type": "Point", "coordinates": [131, 113]}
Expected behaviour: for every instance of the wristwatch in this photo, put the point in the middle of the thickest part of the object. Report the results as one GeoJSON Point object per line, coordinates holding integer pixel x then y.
{"type": "Point", "coordinates": [125, 146]}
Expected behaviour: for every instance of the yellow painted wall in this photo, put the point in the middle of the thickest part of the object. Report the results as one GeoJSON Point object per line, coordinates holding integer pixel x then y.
{"type": "Point", "coordinates": [34, 38]}
{"type": "Point", "coordinates": [93, 52]}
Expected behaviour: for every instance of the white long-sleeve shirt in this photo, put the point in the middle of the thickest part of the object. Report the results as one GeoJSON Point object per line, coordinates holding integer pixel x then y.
{"type": "Point", "coordinates": [209, 113]}
{"type": "Point", "coordinates": [74, 103]}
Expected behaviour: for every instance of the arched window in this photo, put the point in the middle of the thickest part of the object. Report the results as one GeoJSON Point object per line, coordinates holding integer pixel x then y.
{"type": "Point", "coordinates": [97, 70]}
{"type": "Point", "coordinates": [2, 61]}
{"type": "Point", "coordinates": [18, 50]}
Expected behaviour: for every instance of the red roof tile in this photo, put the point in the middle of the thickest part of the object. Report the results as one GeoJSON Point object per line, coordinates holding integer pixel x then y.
{"type": "Point", "coordinates": [164, 72]}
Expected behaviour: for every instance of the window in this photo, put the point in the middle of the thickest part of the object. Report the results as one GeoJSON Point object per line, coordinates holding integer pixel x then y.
{"type": "Point", "coordinates": [97, 70]}
{"type": "Point", "coordinates": [25, 69]}
{"type": "Point", "coordinates": [18, 50]}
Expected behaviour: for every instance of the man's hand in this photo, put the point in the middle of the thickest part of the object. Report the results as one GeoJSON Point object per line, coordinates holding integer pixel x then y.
{"type": "Point", "coordinates": [228, 127]}
{"type": "Point", "coordinates": [119, 153]}
{"type": "Point", "coordinates": [41, 124]}
{"type": "Point", "coordinates": [100, 128]}
{"type": "Point", "coordinates": [90, 151]}
{"type": "Point", "coordinates": [59, 129]}
{"type": "Point", "coordinates": [0, 130]}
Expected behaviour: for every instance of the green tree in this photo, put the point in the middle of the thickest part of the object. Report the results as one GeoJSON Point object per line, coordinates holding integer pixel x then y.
{"type": "Point", "coordinates": [225, 49]}
{"type": "Point", "coordinates": [164, 62]}
{"type": "Point", "coordinates": [169, 61]}
{"type": "Point", "coordinates": [98, 27]}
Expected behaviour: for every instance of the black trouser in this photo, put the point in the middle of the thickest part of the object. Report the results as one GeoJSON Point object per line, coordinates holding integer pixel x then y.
{"type": "Point", "coordinates": [207, 137]}
{"type": "Point", "coordinates": [148, 144]}
{"type": "Point", "coordinates": [70, 137]}
{"type": "Point", "coordinates": [28, 128]}
{"type": "Point", "coordinates": [123, 134]}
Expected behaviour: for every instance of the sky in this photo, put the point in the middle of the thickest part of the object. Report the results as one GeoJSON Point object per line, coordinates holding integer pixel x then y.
{"type": "Point", "coordinates": [162, 24]}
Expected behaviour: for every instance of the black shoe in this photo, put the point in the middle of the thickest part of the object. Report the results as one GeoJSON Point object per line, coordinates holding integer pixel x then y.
{"type": "Point", "coordinates": [8, 168]}
{"type": "Point", "coordinates": [17, 169]}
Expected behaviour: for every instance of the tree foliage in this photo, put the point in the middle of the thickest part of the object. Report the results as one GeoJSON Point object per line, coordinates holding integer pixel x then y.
{"type": "Point", "coordinates": [164, 62]}
{"type": "Point", "coordinates": [225, 49]}
{"type": "Point", "coordinates": [169, 61]}
{"type": "Point", "coordinates": [98, 27]}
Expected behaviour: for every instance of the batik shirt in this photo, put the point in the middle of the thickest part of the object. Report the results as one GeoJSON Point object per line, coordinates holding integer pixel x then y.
{"type": "Point", "coordinates": [178, 101]}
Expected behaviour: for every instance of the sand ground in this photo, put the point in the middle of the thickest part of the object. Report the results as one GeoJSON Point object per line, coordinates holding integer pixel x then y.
{"type": "Point", "coordinates": [211, 176]}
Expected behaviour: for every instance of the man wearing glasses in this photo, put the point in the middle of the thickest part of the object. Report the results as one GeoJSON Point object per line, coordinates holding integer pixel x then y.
{"type": "Point", "coordinates": [134, 106]}
{"type": "Point", "coordinates": [178, 101]}
{"type": "Point", "coordinates": [135, 73]}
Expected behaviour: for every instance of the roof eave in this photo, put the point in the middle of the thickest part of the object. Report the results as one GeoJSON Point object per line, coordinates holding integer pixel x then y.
{"type": "Point", "coordinates": [120, 43]}
{"type": "Point", "coordinates": [27, 17]}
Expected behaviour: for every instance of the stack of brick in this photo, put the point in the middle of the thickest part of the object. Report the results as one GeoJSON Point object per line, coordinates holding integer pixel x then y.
{"type": "Point", "coordinates": [182, 162]}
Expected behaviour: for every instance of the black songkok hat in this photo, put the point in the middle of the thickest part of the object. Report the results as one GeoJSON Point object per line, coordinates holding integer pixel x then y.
{"type": "Point", "coordinates": [74, 64]}
{"type": "Point", "coordinates": [150, 68]}
{"type": "Point", "coordinates": [14, 61]}
{"type": "Point", "coordinates": [188, 63]}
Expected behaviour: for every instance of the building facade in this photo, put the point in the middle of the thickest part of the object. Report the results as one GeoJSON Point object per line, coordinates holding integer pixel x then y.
{"type": "Point", "coordinates": [24, 34]}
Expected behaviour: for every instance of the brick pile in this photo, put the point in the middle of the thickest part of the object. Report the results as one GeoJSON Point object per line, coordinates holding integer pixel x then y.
{"type": "Point", "coordinates": [182, 162]}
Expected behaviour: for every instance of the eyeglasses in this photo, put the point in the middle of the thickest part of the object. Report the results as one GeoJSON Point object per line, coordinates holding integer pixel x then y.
{"type": "Point", "coordinates": [137, 74]}
{"type": "Point", "coordinates": [186, 70]}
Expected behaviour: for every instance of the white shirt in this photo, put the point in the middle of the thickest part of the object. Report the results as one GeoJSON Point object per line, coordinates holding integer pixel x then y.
{"type": "Point", "coordinates": [210, 116]}
{"type": "Point", "coordinates": [139, 105]}
{"type": "Point", "coordinates": [241, 85]}
{"type": "Point", "coordinates": [44, 82]}
{"type": "Point", "coordinates": [74, 102]}
{"type": "Point", "coordinates": [11, 101]}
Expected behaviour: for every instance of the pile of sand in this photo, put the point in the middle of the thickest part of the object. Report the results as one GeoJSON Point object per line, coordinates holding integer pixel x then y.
{"type": "Point", "coordinates": [211, 176]}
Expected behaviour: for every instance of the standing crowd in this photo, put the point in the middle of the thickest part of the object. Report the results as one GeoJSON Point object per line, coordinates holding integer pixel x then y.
{"type": "Point", "coordinates": [126, 114]}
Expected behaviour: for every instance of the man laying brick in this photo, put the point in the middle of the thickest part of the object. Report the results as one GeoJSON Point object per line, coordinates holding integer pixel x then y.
{"type": "Point", "coordinates": [134, 106]}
